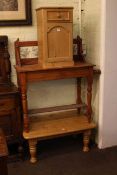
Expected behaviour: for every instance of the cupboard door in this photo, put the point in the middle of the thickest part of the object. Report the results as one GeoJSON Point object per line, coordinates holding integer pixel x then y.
{"type": "Point", "coordinates": [8, 122]}
{"type": "Point", "coordinates": [59, 42]}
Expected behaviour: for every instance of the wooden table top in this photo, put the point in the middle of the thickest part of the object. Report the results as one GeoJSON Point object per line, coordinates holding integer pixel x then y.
{"type": "Point", "coordinates": [37, 67]}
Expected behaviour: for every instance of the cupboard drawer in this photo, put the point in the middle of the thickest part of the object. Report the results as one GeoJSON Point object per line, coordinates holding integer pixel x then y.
{"type": "Point", "coordinates": [7, 104]}
{"type": "Point", "coordinates": [59, 15]}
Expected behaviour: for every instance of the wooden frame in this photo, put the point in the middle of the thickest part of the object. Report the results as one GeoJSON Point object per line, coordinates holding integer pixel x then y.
{"type": "Point", "coordinates": [16, 17]}
{"type": "Point", "coordinates": [62, 123]}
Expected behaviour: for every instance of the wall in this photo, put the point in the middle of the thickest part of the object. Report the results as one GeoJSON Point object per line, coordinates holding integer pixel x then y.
{"type": "Point", "coordinates": [99, 33]}
{"type": "Point", "coordinates": [108, 90]}
{"type": "Point", "coordinates": [44, 93]}
{"type": "Point", "coordinates": [91, 27]}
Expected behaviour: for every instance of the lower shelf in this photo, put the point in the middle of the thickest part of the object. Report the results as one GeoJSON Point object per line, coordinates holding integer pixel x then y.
{"type": "Point", "coordinates": [57, 124]}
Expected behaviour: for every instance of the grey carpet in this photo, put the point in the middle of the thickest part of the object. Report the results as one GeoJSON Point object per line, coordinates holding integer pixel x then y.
{"type": "Point", "coordinates": [64, 156]}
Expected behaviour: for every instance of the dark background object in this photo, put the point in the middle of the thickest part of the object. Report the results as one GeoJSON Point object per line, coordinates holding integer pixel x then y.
{"type": "Point", "coordinates": [3, 154]}
{"type": "Point", "coordinates": [5, 66]}
{"type": "Point", "coordinates": [10, 107]}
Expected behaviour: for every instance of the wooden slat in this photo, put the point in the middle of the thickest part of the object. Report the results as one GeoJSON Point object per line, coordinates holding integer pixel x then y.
{"type": "Point", "coordinates": [56, 108]}
{"type": "Point", "coordinates": [29, 61]}
{"type": "Point", "coordinates": [27, 43]}
{"type": "Point", "coordinates": [37, 67]}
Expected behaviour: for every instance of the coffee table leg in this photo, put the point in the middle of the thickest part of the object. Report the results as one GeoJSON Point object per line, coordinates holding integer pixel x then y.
{"type": "Point", "coordinates": [32, 147]}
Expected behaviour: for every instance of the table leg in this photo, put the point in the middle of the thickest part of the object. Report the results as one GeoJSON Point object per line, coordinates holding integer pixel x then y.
{"type": "Point", "coordinates": [89, 94]}
{"type": "Point", "coordinates": [86, 139]}
{"type": "Point", "coordinates": [32, 147]}
{"type": "Point", "coordinates": [23, 85]}
{"type": "Point", "coordinates": [79, 100]}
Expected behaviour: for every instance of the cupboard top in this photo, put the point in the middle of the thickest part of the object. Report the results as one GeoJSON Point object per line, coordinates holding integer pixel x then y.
{"type": "Point", "coordinates": [59, 14]}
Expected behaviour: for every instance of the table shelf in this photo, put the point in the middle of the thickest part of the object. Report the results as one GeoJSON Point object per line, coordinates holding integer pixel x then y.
{"type": "Point", "coordinates": [50, 125]}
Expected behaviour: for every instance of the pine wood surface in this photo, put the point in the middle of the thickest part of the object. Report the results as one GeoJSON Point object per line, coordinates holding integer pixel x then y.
{"type": "Point", "coordinates": [36, 67]}
{"type": "Point", "coordinates": [55, 25]}
{"type": "Point", "coordinates": [57, 124]}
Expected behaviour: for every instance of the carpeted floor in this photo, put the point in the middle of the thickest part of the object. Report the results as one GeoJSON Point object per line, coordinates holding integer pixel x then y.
{"type": "Point", "coordinates": [64, 156]}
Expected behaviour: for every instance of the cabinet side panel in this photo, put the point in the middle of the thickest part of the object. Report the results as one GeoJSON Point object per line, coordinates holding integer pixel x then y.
{"type": "Point", "coordinates": [39, 36]}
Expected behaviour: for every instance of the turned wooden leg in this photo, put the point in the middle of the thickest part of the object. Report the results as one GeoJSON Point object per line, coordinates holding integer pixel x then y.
{"type": "Point", "coordinates": [79, 100]}
{"type": "Point", "coordinates": [86, 139]}
{"type": "Point", "coordinates": [23, 84]}
{"type": "Point", "coordinates": [32, 147]}
{"type": "Point", "coordinates": [89, 94]}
